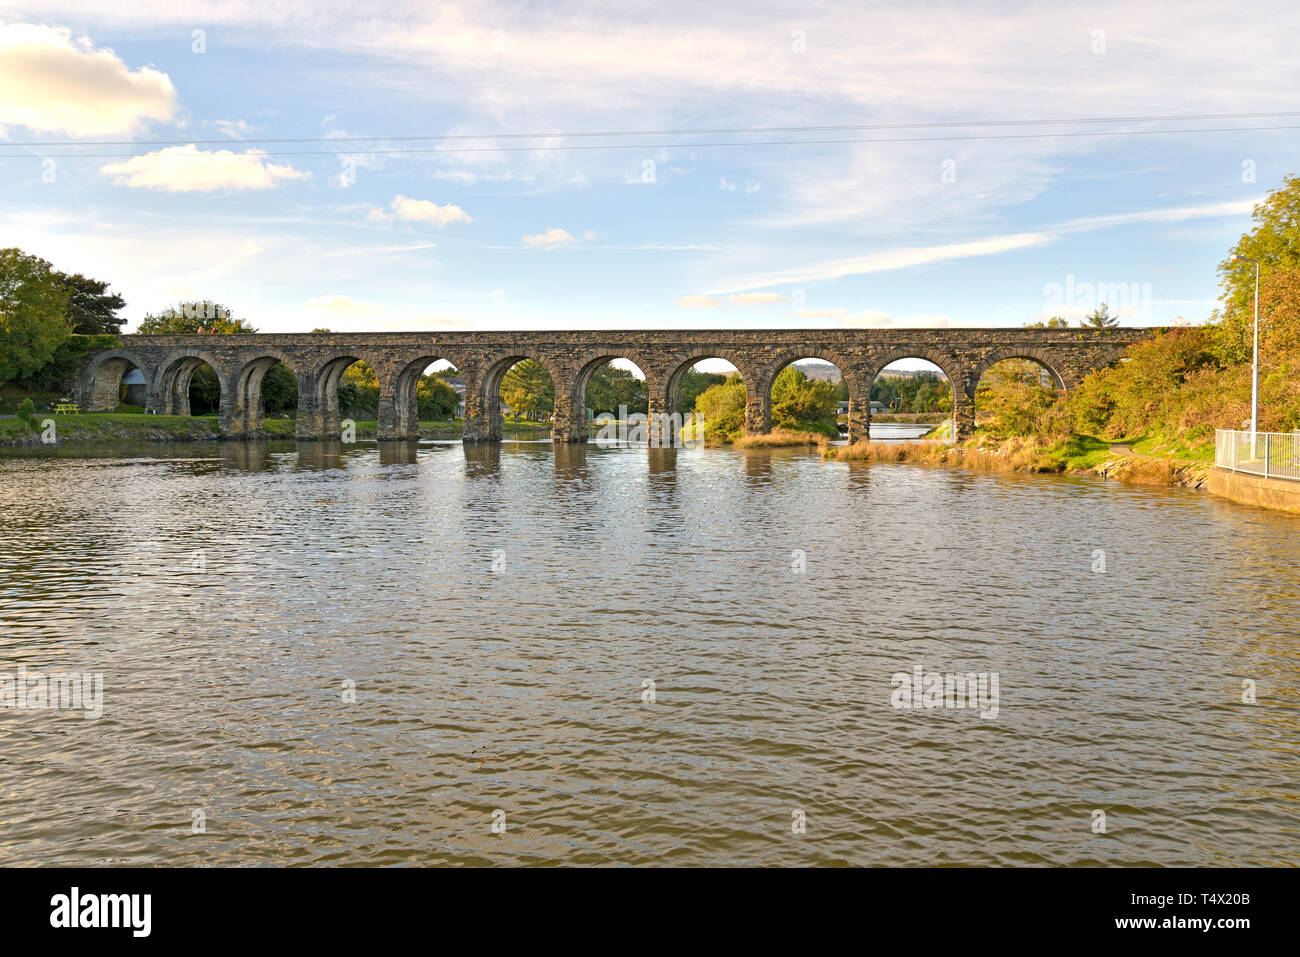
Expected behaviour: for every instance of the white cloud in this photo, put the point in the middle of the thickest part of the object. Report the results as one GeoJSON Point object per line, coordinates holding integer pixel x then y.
{"type": "Point", "coordinates": [188, 169]}
{"type": "Point", "coordinates": [419, 211]}
{"type": "Point", "coordinates": [550, 239]}
{"type": "Point", "coordinates": [424, 211]}
{"type": "Point", "coordinates": [756, 298]}
{"type": "Point", "coordinates": [53, 84]}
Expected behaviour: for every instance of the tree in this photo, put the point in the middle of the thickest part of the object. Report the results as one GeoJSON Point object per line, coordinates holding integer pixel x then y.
{"type": "Point", "coordinates": [92, 309]}
{"type": "Point", "coordinates": [190, 316]}
{"type": "Point", "coordinates": [1100, 318]}
{"type": "Point", "coordinates": [1056, 322]}
{"type": "Point", "coordinates": [692, 384]}
{"type": "Point", "coordinates": [528, 390]}
{"type": "Point", "coordinates": [1012, 396]}
{"type": "Point", "coordinates": [279, 387]}
{"type": "Point", "coordinates": [722, 407]}
{"type": "Point", "coordinates": [33, 314]}
{"type": "Point", "coordinates": [611, 387]}
{"type": "Point", "coordinates": [1275, 243]}
{"type": "Point", "coordinates": [435, 398]}
{"type": "Point", "coordinates": [800, 404]}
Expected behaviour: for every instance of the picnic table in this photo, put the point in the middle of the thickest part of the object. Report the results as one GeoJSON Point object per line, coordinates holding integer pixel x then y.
{"type": "Point", "coordinates": [66, 408]}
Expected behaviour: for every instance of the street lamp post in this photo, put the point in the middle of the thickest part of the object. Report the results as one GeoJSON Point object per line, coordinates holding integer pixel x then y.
{"type": "Point", "coordinates": [1254, 368]}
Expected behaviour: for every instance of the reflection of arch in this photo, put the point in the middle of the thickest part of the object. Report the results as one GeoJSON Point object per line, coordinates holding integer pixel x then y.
{"type": "Point", "coordinates": [104, 379]}
{"type": "Point", "coordinates": [172, 383]}
{"type": "Point", "coordinates": [1042, 357]}
{"type": "Point", "coordinates": [490, 389]}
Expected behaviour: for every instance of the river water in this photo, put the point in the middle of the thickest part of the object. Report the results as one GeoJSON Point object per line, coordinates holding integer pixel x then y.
{"type": "Point", "coordinates": [532, 654]}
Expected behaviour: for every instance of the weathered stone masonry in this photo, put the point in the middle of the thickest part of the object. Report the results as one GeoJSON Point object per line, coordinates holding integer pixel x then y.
{"type": "Point", "coordinates": [398, 358]}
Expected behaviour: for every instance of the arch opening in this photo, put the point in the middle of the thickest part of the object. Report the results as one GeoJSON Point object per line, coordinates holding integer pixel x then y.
{"type": "Point", "coordinates": [611, 390]}
{"type": "Point", "coordinates": [712, 388]}
{"type": "Point", "coordinates": [1016, 396]}
{"type": "Point", "coordinates": [118, 383]}
{"type": "Point", "coordinates": [519, 394]}
{"type": "Point", "coordinates": [811, 396]}
{"type": "Point", "coordinates": [265, 388]}
{"type": "Point", "coordinates": [911, 398]}
{"type": "Point", "coordinates": [190, 386]}
{"type": "Point", "coordinates": [428, 389]}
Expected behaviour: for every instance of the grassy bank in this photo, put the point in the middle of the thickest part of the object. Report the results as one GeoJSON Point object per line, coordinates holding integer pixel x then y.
{"type": "Point", "coordinates": [780, 439]}
{"type": "Point", "coordinates": [1079, 454]}
{"type": "Point", "coordinates": [139, 427]}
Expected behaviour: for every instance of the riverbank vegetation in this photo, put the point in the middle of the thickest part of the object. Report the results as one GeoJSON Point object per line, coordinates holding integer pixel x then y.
{"type": "Point", "coordinates": [801, 407]}
{"type": "Point", "coordinates": [1151, 417]}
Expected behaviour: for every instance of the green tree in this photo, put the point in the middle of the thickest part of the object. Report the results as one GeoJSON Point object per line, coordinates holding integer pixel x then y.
{"type": "Point", "coordinates": [800, 404]}
{"type": "Point", "coordinates": [33, 314]}
{"type": "Point", "coordinates": [1056, 322]}
{"type": "Point", "coordinates": [189, 316]}
{"type": "Point", "coordinates": [436, 399]}
{"type": "Point", "coordinates": [722, 408]}
{"type": "Point", "coordinates": [1100, 318]}
{"type": "Point", "coordinates": [1012, 399]}
{"type": "Point", "coordinates": [611, 387]}
{"type": "Point", "coordinates": [528, 390]}
{"type": "Point", "coordinates": [1275, 243]}
{"type": "Point", "coordinates": [92, 309]}
{"type": "Point", "coordinates": [691, 384]}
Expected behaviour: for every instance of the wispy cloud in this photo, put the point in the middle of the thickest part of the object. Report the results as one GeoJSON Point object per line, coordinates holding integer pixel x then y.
{"type": "Point", "coordinates": [907, 257]}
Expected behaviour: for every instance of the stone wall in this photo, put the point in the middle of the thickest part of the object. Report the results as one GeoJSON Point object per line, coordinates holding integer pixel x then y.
{"type": "Point", "coordinates": [1249, 489]}
{"type": "Point", "coordinates": [398, 358]}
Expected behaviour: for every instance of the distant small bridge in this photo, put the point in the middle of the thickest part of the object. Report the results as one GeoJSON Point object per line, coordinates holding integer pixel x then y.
{"type": "Point", "coordinates": [482, 358]}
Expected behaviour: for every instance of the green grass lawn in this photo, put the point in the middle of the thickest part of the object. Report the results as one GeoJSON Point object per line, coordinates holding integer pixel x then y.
{"type": "Point", "coordinates": [1082, 451]}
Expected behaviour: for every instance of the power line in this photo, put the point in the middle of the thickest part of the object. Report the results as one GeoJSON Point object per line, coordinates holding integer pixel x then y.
{"type": "Point", "coordinates": [655, 146]}
{"type": "Point", "coordinates": [954, 124]}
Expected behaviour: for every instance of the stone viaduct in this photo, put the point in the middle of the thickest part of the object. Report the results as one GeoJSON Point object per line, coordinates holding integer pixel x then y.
{"type": "Point", "coordinates": [482, 358]}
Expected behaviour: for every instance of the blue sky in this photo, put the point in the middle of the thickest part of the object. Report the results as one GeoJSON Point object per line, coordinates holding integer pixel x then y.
{"type": "Point", "coordinates": [665, 230]}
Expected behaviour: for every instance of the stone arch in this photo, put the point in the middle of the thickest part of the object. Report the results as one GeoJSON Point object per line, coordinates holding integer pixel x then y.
{"type": "Point", "coordinates": [242, 412]}
{"type": "Point", "coordinates": [859, 386]}
{"type": "Point", "coordinates": [318, 400]}
{"type": "Point", "coordinates": [591, 363]}
{"type": "Point", "coordinates": [398, 393]}
{"type": "Point", "coordinates": [1043, 357]}
{"type": "Point", "coordinates": [756, 413]}
{"type": "Point", "coordinates": [960, 380]}
{"type": "Point", "coordinates": [170, 389]}
{"type": "Point", "coordinates": [103, 379]}
{"type": "Point", "coordinates": [494, 368]}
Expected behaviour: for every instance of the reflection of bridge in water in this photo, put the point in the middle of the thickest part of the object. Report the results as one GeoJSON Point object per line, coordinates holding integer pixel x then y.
{"type": "Point", "coordinates": [318, 361]}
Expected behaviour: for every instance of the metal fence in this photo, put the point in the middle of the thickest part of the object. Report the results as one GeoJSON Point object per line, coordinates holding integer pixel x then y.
{"type": "Point", "coordinates": [1271, 454]}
